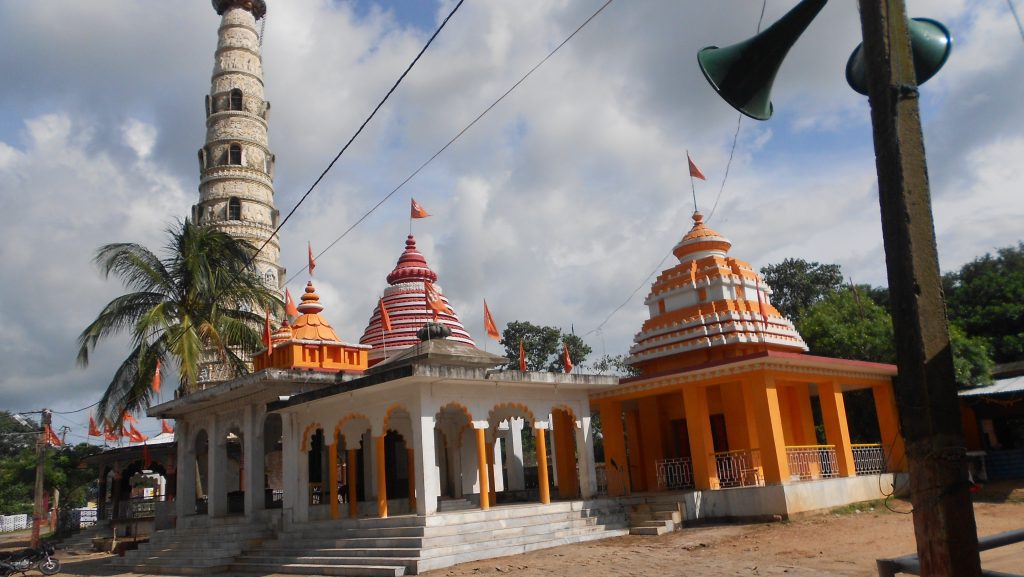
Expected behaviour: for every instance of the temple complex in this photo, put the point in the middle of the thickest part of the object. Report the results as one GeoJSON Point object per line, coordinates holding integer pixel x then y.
{"type": "Point", "coordinates": [727, 398]}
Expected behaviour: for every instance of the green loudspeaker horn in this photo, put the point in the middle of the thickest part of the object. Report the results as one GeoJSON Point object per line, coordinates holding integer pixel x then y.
{"type": "Point", "coordinates": [930, 42]}
{"type": "Point", "coordinates": [743, 73]}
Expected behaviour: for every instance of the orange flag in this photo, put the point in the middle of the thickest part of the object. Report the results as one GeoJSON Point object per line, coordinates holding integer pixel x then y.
{"type": "Point", "coordinates": [135, 435]}
{"type": "Point", "coordinates": [127, 418]}
{"type": "Point", "coordinates": [312, 261]}
{"type": "Point", "coordinates": [166, 427]}
{"type": "Point", "coordinates": [289, 305]}
{"type": "Point", "coordinates": [566, 361]}
{"type": "Point", "coordinates": [385, 318]}
{"type": "Point", "coordinates": [111, 437]}
{"type": "Point", "coordinates": [522, 357]}
{"type": "Point", "coordinates": [268, 336]}
{"type": "Point", "coordinates": [489, 326]}
{"type": "Point", "coordinates": [156, 377]}
{"type": "Point", "coordinates": [94, 431]}
{"type": "Point", "coordinates": [417, 211]}
{"type": "Point", "coordinates": [51, 437]}
{"type": "Point", "coordinates": [694, 171]}
{"type": "Point", "coordinates": [435, 301]}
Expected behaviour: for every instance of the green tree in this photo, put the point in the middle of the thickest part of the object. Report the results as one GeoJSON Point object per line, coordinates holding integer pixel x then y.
{"type": "Point", "coordinates": [972, 358]}
{"type": "Point", "coordinates": [64, 470]}
{"type": "Point", "coordinates": [986, 298]}
{"type": "Point", "coordinates": [16, 436]}
{"type": "Point", "coordinates": [847, 326]}
{"type": "Point", "coordinates": [202, 295]}
{"type": "Point", "coordinates": [615, 365]}
{"type": "Point", "coordinates": [542, 345]}
{"type": "Point", "coordinates": [797, 284]}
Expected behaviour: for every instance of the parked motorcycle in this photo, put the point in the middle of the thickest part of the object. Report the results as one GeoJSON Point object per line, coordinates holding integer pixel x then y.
{"type": "Point", "coordinates": [28, 559]}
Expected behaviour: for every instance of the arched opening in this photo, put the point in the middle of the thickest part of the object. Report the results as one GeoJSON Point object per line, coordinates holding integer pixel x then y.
{"type": "Point", "coordinates": [317, 469]}
{"type": "Point", "coordinates": [512, 454]}
{"type": "Point", "coordinates": [235, 154]}
{"type": "Point", "coordinates": [234, 471]}
{"type": "Point", "coordinates": [202, 453]}
{"type": "Point", "coordinates": [563, 454]}
{"type": "Point", "coordinates": [449, 424]}
{"type": "Point", "coordinates": [235, 100]}
{"type": "Point", "coordinates": [354, 470]}
{"type": "Point", "coordinates": [202, 159]}
{"type": "Point", "coordinates": [209, 106]}
{"type": "Point", "coordinates": [234, 208]}
{"type": "Point", "coordinates": [273, 477]}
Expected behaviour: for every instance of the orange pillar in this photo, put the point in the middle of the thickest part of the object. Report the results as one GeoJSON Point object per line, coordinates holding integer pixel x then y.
{"type": "Point", "coordinates": [651, 437]}
{"type": "Point", "coordinates": [382, 484]}
{"type": "Point", "coordinates": [889, 427]}
{"type": "Point", "coordinates": [565, 447]}
{"type": "Point", "coordinates": [353, 499]}
{"type": "Point", "coordinates": [411, 467]}
{"type": "Point", "coordinates": [637, 479]}
{"type": "Point", "coordinates": [492, 494]}
{"type": "Point", "coordinates": [808, 434]}
{"type": "Point", "coordinates": [837, 432]}
{"type": "Point", "coordinates": [738, 427]}
{"type": "Point", "coordinates": [542, 465]}
{"type": "Point", "coordinates": [481, 458]}
{"type": "Point", "coordinates": [764, 398]}
{"type": "Point", "coordinates": [332, 479]}
{"type": "Point", "coordinates": [702, 446]}
{"type": "Point", "coordinates": [614, 448]}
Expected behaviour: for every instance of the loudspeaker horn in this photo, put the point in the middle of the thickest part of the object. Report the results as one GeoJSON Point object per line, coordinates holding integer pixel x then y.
{"type": "Point", "coordinates": [930, 43]}
{"type": "Point", "coordinates": [743, 73]}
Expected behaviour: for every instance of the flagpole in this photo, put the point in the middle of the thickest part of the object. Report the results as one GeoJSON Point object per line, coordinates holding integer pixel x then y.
{"type": "Point", "coordinates": [693, 189]}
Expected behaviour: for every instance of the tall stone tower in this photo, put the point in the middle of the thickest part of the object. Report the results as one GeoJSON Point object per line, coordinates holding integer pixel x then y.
{"type": "Point", "coordinates": [236, 166]}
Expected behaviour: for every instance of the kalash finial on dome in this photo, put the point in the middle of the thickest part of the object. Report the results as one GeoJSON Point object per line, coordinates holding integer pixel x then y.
{"type": "Point", "coordinates": [411, 266]}
{"type": "Point", "coordinates": [701, 239]}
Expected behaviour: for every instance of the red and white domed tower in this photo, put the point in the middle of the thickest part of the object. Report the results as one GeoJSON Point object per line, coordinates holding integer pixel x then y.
{"type": "Point", "coordinates": [708, 307]}
{"type": "Point", "coordinates": [406, 303]}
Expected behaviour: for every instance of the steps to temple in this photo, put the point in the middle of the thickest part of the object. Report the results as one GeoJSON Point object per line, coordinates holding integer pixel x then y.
{"type": "Point", "coordinates": [407, 545]}
{"type": "Point", "coordinates": [655, 518]}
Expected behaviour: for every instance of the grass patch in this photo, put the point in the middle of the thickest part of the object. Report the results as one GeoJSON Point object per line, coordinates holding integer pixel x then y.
{"type": "Point", "coordinates": [864, 507]}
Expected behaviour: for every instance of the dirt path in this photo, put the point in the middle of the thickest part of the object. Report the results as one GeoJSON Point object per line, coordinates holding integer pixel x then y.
{"type": "Point", "coordinates": [829, 545]}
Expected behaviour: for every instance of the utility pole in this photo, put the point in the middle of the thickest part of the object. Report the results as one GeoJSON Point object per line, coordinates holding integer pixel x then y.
{"type": "Point", "coordinates": [926, 393]}
{"type": "Point", "coordinates": [41, 444]}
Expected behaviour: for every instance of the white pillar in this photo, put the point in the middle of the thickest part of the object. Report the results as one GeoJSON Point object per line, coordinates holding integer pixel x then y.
{"type": "Point", "coordinates": [216, 470]}
{"type": "Point", "coordinates": [428, 481]}
{"type": "Point", "coordinates": [289, 468]}
{"type": "Point", "coordinates": [499, 482]}
{"type": "Point", "coordinates": [585, 452]}
{"type": "Point", "coordinates": [516, 477]}
{"type": "Point", "coordinates": [185, 496]}
{"type": "Point", "coordinates": [252, 439]}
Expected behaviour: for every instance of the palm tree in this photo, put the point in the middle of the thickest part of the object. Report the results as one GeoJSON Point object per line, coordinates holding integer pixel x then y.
{"type": "Point", "coordinates": [204, 295]}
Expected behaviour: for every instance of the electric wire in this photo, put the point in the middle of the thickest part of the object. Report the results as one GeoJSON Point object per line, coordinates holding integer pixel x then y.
{"type": "Point", "coordinates": [736, 135]}
{"type": "Point", "coordinates": [1016, 17]}
{"type": "Point", "coordinates": [360, 130]}
{"type": "Point", "coordinates": [630, 297]}
{"type": "Point", "coordinates": [457, 135]}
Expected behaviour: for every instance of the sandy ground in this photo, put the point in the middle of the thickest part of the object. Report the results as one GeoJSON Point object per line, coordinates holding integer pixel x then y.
{"type": "Point", "coordinates": [844, 543]}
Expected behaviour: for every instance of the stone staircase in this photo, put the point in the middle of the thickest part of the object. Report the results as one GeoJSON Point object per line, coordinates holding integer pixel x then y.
{"type": "Point", "coordinates": [448, 505]}
{"type": "Point", "coordinates": [201, 546]}
{"type": "Point", "coordinates": [404, 545]}
{"type": "Point", "coordinates": [81, 541]}
{"type": "Point", "coordinates": [655, 518]}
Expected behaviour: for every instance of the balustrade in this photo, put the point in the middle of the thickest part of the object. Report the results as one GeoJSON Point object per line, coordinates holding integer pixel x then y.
{"type": "Point", "coordinates": [741, 468]}
{"type": "Point", "coordinates": [675, 473]}
{"type": "Point", "coordinates": [808, 462]}
{"type": "Point", "coordinates": [869, 459]}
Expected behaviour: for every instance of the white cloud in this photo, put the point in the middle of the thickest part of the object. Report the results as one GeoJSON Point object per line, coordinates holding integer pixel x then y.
{"type": "Point", "coordinates": [139, 136]}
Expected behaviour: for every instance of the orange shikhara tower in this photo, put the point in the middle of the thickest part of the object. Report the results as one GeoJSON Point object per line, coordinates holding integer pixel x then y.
{"type": "Point", "coordinates": [406, 302]}
{"type": "Point", "coordinates": [708, 307]}
{"type": "Point", "coordinates": [311, 343]}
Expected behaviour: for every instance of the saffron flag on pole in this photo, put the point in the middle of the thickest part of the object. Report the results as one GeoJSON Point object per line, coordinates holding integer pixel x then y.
{"type": "Point", "coordinates": [435, 302]}
{"type": "Point", "coordinates": [156, 378]}
{"type": "Point", "coordinates": [312, 261]}
{"type": "Point", "coordinates": [94, 431]}
{"type": "Point", "coordinates": [566, 360]}
{"type": "Point", "coordinates": [489, 327]}
{"type": "Point", "coordinates": [268, 336]}
{"type": "Point", "coordinates": [127, 418]}
{"type": "Point", "coordinates": [51, 437]}
{"type": "Point", "coordinates": [135, 435]}
{"type": "Point", "coordinates": [417, 211]}
{"type": "Point", "coordinates": [385, 318]}
{"type": "Point", "coordinates": [289, 305]}
{"type": "Point", "coordinates": [165, 427]}
{"type": "Point", "coordinates": [522, 357]}
{"type": "Point", "coordinates": [694, 171]}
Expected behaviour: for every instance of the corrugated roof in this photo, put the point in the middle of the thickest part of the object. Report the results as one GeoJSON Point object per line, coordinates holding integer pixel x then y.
{"type": "Point", "coordinates": [1000, 387]}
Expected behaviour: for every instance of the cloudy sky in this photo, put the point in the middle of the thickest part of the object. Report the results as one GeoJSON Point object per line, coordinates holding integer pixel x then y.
{"type": "Point", "coordinates": [555, 207]}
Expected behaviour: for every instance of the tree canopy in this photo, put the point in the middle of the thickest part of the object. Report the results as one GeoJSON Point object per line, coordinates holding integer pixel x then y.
{"type": "Point", "coordinates": [986, 298]}
{"type": "Point", "coordinates": [204, 294]}
{"type": "Point", "coordinates": [797, 284]}
{"type": "Point", "coordinates": [542, 345]}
